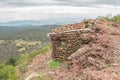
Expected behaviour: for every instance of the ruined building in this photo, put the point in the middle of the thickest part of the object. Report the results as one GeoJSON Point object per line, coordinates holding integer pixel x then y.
{"type": "Point", "coordinates": [69, 38]}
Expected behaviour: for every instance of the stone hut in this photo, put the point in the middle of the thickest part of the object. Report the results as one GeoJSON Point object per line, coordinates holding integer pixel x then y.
{"type": "Point", "coordinates": [68, 39]}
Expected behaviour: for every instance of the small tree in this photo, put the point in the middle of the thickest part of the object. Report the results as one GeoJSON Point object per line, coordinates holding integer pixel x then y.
{"type": "Point", "coordinates": [11, 61]}
{"type": "Point", "coordinates": [7, 72]}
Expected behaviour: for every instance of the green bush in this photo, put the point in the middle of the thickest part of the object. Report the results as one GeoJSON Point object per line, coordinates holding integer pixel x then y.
{"type": "Point", "coordinates": [22, 59]}
{"type": "Point", "coordinates": [116, 18]}
{"type": "Point", "coordinates": [108, 18]}
{"type": "Point", "coordinates": [7, 72]}
{"type": "Point", "coordinates": [111, 18]}
{"type": "Point", "coordinates": [11, 61]}
{"type": "Point", "coordinates": [54, 64]}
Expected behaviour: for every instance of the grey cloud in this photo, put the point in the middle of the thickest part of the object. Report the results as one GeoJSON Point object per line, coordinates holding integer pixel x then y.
{"type": "Point", "coordinates": [91, 2]}
{"type": "Point", "coordinates": [79, 3]}
{"type": "Point", "coordinates": [112, 2]}
{"type": "Point", "coordinates": [15, 3]}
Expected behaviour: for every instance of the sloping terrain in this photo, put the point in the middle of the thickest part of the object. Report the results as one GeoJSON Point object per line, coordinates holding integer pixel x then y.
{"type": "Point", "coordinates": [14, 40]}
{"type": "Point", "coordinates": [97, 60]}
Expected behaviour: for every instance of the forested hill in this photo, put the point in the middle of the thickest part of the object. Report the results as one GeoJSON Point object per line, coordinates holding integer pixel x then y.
{"type": "Point", "coordinates": [25, 32]}
{"type": "Point", "coordinates": [23, 39]}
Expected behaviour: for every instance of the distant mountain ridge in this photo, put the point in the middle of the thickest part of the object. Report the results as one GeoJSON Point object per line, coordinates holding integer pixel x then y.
{"type": "Point", "coordinates": [21, 23]}
{"type": "Point", "coordinates": [36, 23]}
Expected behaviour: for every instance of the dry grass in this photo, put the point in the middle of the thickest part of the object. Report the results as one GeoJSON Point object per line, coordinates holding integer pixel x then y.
{"type": "Point", "coordinates": [21, 49]}
{"type": "Point", "coordinates": [2, 41]}
{"type": "Point", "coordinates": [26, 43]}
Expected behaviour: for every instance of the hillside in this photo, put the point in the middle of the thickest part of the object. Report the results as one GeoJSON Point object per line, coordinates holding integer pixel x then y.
{"type": "Point", "coordinates": [25, 32]}
{"type": "Point", "coordinates": [99, 59]}
{"type": "Point", "coordinates": [30, 37]}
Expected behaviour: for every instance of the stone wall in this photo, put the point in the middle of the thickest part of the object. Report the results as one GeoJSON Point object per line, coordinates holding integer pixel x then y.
{"type": "Point", "coordinates": [68, 39]}
{"type": "Point", "coordinates": [66, 43]}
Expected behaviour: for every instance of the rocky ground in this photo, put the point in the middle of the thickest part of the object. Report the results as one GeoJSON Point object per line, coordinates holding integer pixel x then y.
{"type": "Point", "coordinates": [97, 60]}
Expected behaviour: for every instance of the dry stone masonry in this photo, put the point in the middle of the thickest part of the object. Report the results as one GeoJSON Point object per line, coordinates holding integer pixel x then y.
{"type": "Point", "coordinates": [68, 39]}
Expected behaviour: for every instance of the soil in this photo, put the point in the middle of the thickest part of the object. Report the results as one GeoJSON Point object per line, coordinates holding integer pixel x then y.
{"type": "Point", "coordinates": [97, 60]}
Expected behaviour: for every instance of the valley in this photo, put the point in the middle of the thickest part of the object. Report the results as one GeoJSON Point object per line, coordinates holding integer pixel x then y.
{"type": "Point", "coordinates": [15, 41]}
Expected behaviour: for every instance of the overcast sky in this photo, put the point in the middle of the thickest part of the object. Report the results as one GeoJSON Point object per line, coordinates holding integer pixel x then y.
{"type": "Point", "coordinates": [12, 10]}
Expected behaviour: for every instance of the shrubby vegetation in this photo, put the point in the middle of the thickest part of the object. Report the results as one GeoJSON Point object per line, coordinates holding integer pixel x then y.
{"type": "Point", "coordinates": [54, 64]}
{"type": "Point", "coordinates": [8, 69]}
{"type": "Point", "coordinates": [26, 57]}
{"type": "Point", "coordinates": [7, 72]}
{"type": "Point", "coordinates": [115, 18]}
{"type": "Point", "coordinates": [9, 49]}
{"type": "Point", "coordinates": [15, 48]}
{"type": "Point", "coordinates": [17, 40]}
{"type": "Point", "coordinates": [34, 33]}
